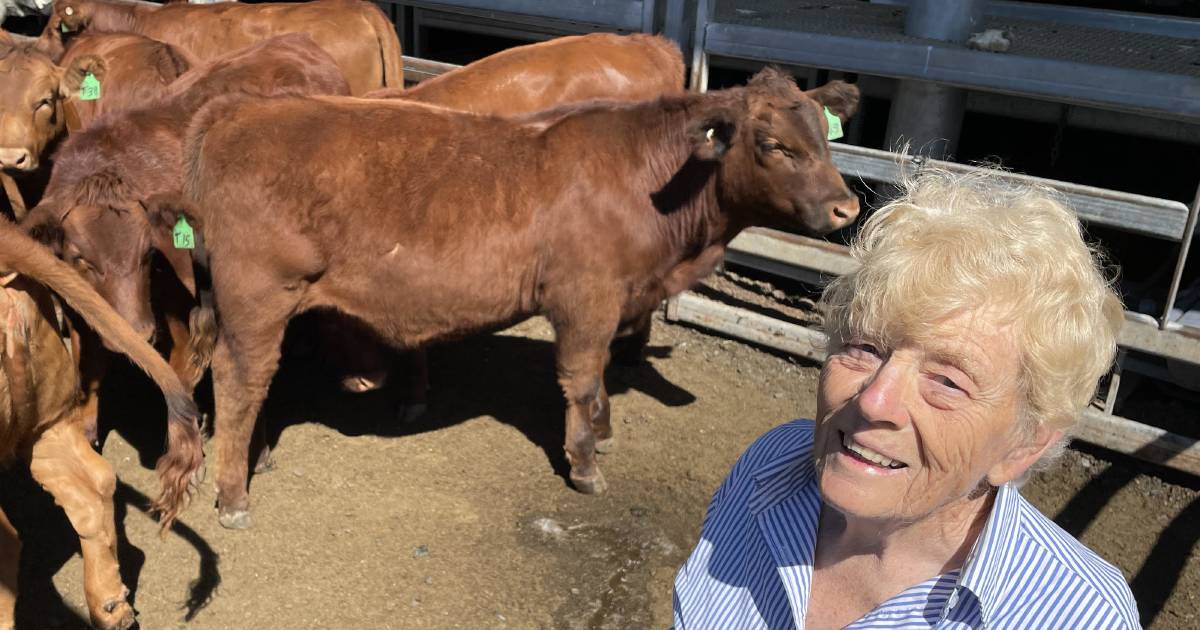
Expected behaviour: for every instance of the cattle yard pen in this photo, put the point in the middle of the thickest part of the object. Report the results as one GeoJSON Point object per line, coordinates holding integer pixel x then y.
{"type": "Point", "coordinates": [812, 261]}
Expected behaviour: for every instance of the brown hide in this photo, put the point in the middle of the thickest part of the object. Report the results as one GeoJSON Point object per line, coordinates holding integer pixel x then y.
{"type": "Point", "coordinates": [39, 98]}
{"type": "Point", "coordinates": [132, 70]}
{"type": "Point", "coordinates": [102, 176]}
{"type": "Point", "coordinates": [355, 33]}
{"type": "Point", "coordinates": [564, 70]}
{"type": "Point", "coordinates": [39, 402]}
{"type": "Point", "coordinates": [137, 70]}
{"type": "Point", "coordinates": [428, 223]}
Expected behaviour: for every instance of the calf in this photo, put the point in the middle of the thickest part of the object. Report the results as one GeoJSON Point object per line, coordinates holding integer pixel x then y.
{"type": "Point", "coordinates": [563, 70]}
{"type": "Point", "coordinates": [560, 71]}
{"type": "Point", "coordinates": [39, 419]}
{"type": "Point", "coordinates": [355, 33]}
{"type": "Point", "coordinates": [41, 88]}
{"type": "Point", "coordinates": [92, 212]}
{"type": "Point", "coordinates": [427, 224]}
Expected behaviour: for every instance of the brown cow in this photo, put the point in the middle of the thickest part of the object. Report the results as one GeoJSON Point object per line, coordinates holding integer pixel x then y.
{"type": "Point", "coordinates": [92, 211]}
{"type": "Point", "coordinates": [41, 88]}
{"type": "Point", "coordinates": [39, 419]}
{"type": "Point", "coordinates": [560, 71]}
{"type": "Point", "coordinates": [428, 223]}
{"type": "Point", "coordinates": [353, 32]}
{"type": "Point", "coordinates": [563, 70]}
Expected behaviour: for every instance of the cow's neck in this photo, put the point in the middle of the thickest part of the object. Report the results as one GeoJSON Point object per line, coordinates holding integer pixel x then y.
{"type": "Point", "coordinates": [690, 218]}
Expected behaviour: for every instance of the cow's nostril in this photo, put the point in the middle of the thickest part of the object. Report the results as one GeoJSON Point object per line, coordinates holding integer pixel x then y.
{"type": "Point", "coordinates": [21, 159]}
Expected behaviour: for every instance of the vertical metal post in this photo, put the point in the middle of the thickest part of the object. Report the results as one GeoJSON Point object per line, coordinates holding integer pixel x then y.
{"type": "Point", "coordinates": [673, 25]}
{"type": "Point", "coordinates": [926, 115]}
{"type": "Point", "coordinates": [648, 10]}
{"type": "Point", "coordinates": [699, 81]}
{"type": "Point", "coordinates": [1114, 383]}
{"type": "Point", "coordinates": [1189, 233]}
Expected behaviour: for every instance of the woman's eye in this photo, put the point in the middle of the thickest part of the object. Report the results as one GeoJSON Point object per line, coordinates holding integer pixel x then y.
{"type": "Point", "coordinates": [865, 349]}
{"type": "Point", "coordinates": [945, 380]}
{"type": "Point", "coordinates": [769, 147]}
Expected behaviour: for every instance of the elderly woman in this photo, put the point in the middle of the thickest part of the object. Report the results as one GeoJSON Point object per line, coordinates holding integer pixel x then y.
{"type": "Point", "coordinates": [961, 352]}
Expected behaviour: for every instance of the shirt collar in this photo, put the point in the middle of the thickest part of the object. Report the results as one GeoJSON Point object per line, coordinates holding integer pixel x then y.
{"type": "Point", "coordinates": [988, 564]}
{"type": "Point", "coordinates": [785, 492]}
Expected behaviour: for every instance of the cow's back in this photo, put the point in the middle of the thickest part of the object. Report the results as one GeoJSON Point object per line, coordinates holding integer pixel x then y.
{"type": "Point", "coordinates": [371, 191]}
{"type": "Point", "coordinates": [346, 29]}
{"type": "Point", "coordinates": [138, 70]}
{"type": "Point", "coordinates": [562, 70]}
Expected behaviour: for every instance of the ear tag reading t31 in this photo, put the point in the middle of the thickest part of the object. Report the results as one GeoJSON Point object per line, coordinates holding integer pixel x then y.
{"type": "Point", "coordinates": [835, 125]}
{"type": "Point", "coordinates": [89, 89]}
{"type": "Point", "coordinates": [183, 235]}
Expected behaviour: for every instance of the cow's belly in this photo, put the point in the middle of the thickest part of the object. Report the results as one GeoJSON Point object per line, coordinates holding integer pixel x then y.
{"type": "Point", "coordinates": [414, 301]}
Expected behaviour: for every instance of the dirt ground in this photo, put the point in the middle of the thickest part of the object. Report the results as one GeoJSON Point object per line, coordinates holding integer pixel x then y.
{"type": "Point", "coordinates": [464, 520]}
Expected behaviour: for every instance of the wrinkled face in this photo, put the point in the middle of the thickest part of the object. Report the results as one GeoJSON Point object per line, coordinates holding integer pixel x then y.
{"type": "Point", "coordinates": [30, 108]}
{"type": "Point", "coordinates": [906, 432]}
{"type": "Point", "coordinates": [786, 168]}
{"type": "Point", "coordinates": [113, 247]}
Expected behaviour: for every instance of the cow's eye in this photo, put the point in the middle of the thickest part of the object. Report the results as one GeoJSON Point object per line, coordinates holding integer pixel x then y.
{"type": "Point", "coordinates": [46, 102]}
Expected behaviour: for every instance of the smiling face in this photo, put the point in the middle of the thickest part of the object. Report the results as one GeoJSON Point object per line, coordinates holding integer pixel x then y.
{"type": "Point", "coordinates": [907, 431]}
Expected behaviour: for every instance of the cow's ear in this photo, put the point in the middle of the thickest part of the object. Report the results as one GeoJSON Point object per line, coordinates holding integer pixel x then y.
{"type": "Point", "coordinates": [50, 42]}
{"type": "Point", "coordinates": [80, 67]}
{"type": "Point", "coordinates": [162, 218]}
{"type": "Point", "coordinates": [43, 225]}
{"type": "Point", "coordinates": [713, 136]}
{"type": "Point", "coordinates": [839, 97]}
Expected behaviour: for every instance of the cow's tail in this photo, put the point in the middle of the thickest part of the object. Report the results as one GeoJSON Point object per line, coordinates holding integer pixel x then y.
{"type": "Point", "coordinates": [389, 47]}
{"type": "Point", "coordinates": [184, 456]}
{"type": "Point", "coordinates": [164, 211]}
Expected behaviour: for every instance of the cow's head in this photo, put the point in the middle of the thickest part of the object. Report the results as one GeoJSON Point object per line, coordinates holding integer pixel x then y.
{"type": "Point", "coordinates": [31, 103]}
{"type": "Point", "coordinates": [74, 14]}
{"type": "Point", "coordinates": [113, 246]}
{"type": "Point", "coordinates": [776, 169]}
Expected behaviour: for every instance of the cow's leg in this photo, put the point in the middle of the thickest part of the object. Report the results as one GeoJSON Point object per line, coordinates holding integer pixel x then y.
{"type": "Point", "coordinates": [10, 562]}
{"type": "Point", "coordinates": [416, 398]}
{"type": "Point", "coordinates": [629, 349]}
{"type": "Point", "coordinates": [93, 364]}
{"type": "Point", "coordinates": [582, 347]}
{"type": "Point", "coordinates": [82, 482]}
{"type": "Point", "coordinates": [240, 384]}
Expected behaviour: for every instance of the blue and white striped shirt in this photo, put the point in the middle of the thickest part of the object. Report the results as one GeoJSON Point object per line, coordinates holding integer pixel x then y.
{"type": "Point", "coordinates": [753, 565]}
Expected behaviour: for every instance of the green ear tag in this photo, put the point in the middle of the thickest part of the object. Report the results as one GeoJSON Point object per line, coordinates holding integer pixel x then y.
{"type": "Point", "coordinates": [835, 125]}
{"type": "Point", "coordinates": [89, 89]}
{"type": "Point", "coordinates": [62, 26]}
{"type": "Point", "coordinates": [183, 235]}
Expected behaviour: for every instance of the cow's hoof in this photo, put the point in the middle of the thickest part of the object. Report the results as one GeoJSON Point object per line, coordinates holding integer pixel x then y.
{"type": "Point", "coordinates": [607, 445]}
{"type": "Point", "coordinates": [409, 412]}
{"type": "Point", "coordinates": [235, 519]}
{"type": "Point", "coordinates": [362, 383]}
{"type": "Point", "coordinates": [266, 463]}
{"type": "Point", "coordinates": [116, 614]}
{"type": "Point", "coordinates": [594, 484]}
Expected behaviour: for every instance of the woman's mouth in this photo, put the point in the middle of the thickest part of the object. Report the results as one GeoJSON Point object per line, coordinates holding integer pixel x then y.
{"type": "Point", "coordinates": [867, 456]}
